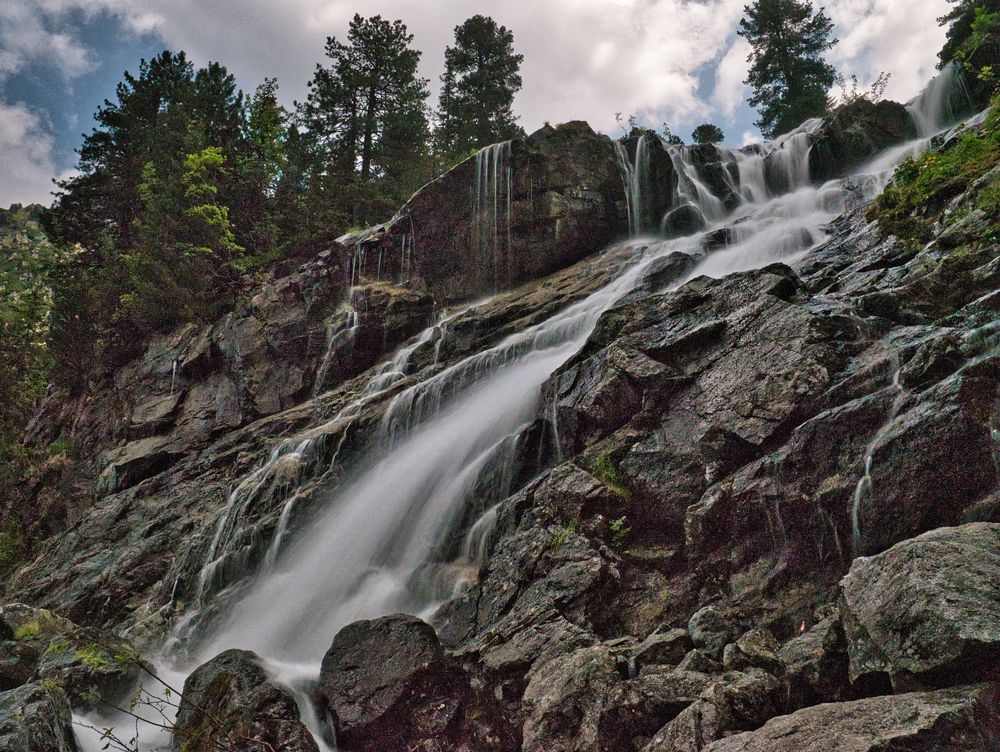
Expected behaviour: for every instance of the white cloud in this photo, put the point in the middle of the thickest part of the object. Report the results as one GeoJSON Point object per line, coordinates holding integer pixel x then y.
{"type": "Point", "coordinates": [730, 91]}
{"type": "Point", "coordinates": [901, 37]}
{"type": "Point", "coordinates": [29, 30]}
{"type": "Point", "coordinates": [27, 166]}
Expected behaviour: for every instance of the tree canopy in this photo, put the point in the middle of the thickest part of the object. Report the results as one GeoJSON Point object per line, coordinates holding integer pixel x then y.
{"type": "Point", "coordinates": [788, 75]}
{"type": "Point", "coordinates": [708, 133]}
{"type": "Point", "coordinates": [478, 87]}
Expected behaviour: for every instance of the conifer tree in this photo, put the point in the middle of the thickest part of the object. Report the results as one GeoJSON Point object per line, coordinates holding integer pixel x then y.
{"type": "Point", "coordinates": [478, 87]}
{"type": "Point", "coordinates": [788, 75]}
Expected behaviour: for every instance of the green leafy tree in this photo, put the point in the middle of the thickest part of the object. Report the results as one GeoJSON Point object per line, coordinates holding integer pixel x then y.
{"type": "Point", "coordinates": [480, 81]}
{"type": "Point", "coordinates": [788, 75]}
{"type": "Point", "coordinates": [708, 133]}
{"type": "Point", "coordinates": [960, 21]}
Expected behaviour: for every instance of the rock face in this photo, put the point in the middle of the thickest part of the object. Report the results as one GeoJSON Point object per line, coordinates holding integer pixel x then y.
{"type": "Point", "coordinates": [955, 719]}
{"type": "Point", "coordinates": [389, 686]}
{"type": "Point", "coordinates": [516, 212]}
{"type": "Point", "coordinates": [36, 718]}
{"type": "Point", "coordinates": [928, 609]}
{"type": "Point", "coordinates": [854, 134]}
{"type": "Point", "coordinates": [229, 703]}
{"type": "Point", "coordinates": [92, 667]}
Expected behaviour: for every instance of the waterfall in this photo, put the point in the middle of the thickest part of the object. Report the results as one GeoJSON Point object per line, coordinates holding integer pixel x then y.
{"type": "Point", "coordinates": [340, 333]}
{"type": "Point", "coordinates": [635, 178]}
{"type": "Point", "coordinates": [942, 103]}
{"type": "Point", "coordinates": [441, 458]}
{"type": "Point", "coordinates": [491, 213]}
{"type": "Point", "coordinates": [864, 488]}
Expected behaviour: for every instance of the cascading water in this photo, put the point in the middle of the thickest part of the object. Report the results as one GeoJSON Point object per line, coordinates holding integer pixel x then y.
{"type": "Point", "coordinates": [943, 102]}
{"type": "Point", "coordinates": [384, 540]}
{"type": "Point", "coordinates": [491, 213]}
{"type": "Point", "coordinates": [635, 178]}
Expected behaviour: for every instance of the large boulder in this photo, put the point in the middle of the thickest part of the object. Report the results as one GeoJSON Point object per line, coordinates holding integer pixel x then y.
{"type": "Point", "coordinates": [962, 719]}
{"type": "Point", "coordinates": [854, 134]}
{"type": "Point", "coordinates": [389, 686]}
{"type": "Point", "coordinates": [231, 703]}
{"type": "Point", "coordinates": [92, 666]}
{"type": "Point", "coordinates": [515, 212]}
{"type": "Point", "coordinates": [928, 609]}
{"type": "Point", "coordinates": [36, 718]}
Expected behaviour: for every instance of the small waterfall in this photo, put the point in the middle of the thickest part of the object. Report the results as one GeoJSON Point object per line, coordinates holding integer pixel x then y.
{"type": "Point", "coordinates": [340, 334]}
{"type": "Point", "coordinates": [491, 213]}
{"type": "Point", "coordinates": [635, 178]}
{"type": "Point", "coordinates": [942, 103]}
{"type": "Point", "coordinates": [865, 490]}
{"type": "Point", "coordinates": [689, 190]}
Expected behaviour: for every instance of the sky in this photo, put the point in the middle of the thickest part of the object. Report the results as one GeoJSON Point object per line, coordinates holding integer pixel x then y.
{"type": "Point", "coordinates": [678, 62]}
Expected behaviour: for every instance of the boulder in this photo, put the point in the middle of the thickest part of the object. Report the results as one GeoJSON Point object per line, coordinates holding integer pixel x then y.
{"type": "Point", "coordinates": [709, 630]}
{"type": "Point", "coordinates": [231, 703]}
{"type": "Point", "coordinates": [515, 212]}
{"type": "Point", "coordinates": [854, 134]}
{"type": "Point", "coordinates": [961, 719]}
{"type": "Point", "coordinates": [389, 685]}
{"type": "Point", "coordinates": [928, 609]}
{"type": "Point", "coordinates": [816, 664]}
{"type": "Point", "coordinates": [36, 718]}
{"type": "Point", "coordinates": [92, 666]}
{"type": "Point", "coordinates": [754, 649]}
{"type": "Point", "coordinates": [667, 647]}
{"type": "Point", "coordinates": [735, 701]}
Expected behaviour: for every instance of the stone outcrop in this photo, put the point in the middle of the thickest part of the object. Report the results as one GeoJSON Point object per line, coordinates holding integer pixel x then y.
{"type": "Point", "coordinates": [389, 685]}
{"type": "Point", "coordinates": [516, 212]}
{"type": "Point", "coordinates": [230, 703]}
{"type": "Point", "coordinates": [962, 719]}
{"type": "Point", "coordinates": [36, 718]}
{"type": "Point", "coordinates": [928, 609]}
{"type": "Point", "coordinates": [854, 134]}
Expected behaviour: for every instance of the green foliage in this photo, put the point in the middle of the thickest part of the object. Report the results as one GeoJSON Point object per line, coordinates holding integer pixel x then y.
{"type": "Point", "coordinates": [788, 75]}
{"type": "Point", "coordinates": [607, 472]}
{"type": "Point", "coordinates": [13, 549]}
{"type": "Point", "coordinates": [51, 685]}
{"type": "Point", "coordinates": [478, 87]}
{"type": "Point", "coordinates": [28, 630]}
{"type": "Point", "coordinates": [619, 530]}
{"type": "Point", "coordinates": [560, 534]}
{"type": "Point", "coordinates": [971, 25]}
{"type": "Point", "coordinates": [708, 133]}
{"type": "Point", "coordinates": [922, 186]}
{"type": "Point", "coordinates": [93, 657]}
{"type": "Point", "coordinates": [366, 129]}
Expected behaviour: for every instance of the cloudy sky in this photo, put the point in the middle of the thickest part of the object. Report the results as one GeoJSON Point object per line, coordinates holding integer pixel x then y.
{"type": "Point", "coordinates": [673, 61]}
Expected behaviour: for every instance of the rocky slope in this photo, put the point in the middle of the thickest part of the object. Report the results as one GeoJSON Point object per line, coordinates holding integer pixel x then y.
{"type": "Point", "coordinates": [760, 512]}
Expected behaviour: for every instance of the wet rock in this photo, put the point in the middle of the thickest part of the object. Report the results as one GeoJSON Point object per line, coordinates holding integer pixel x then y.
{"type": "Point", "coordinates": [36, 718]}
{"type": "Point", "coordinates": [755, 649]}
{"type": "Point", "coordinates": [732, 702]}
{"type": "Point", "coordinates": [816, 664]}
{"type": "Point", "coordinates": [565, 199]}
{"type": "Point", "coordinates": [955, 719]}
{"type": "Point", "coordinates": [389, 685]}
{"type": "Point", "coordinates": [928, 609]}
{"type": "Point", "coordinates": [92, 666]}
{"type": "Point", "coordinates": [856, 133]}
{"type": "Point", "coordinates": [709, 630]}
{"type": "Point", "coordinates": [230, 702]}
{"type": "Point", "coordinates": [663, 648]}
{"type": "Point", "coordinates": [686, 219]}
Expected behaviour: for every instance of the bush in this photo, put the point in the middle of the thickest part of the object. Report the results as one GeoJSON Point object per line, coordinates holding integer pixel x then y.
{"type": "Point", "coordinates": [922, 186]}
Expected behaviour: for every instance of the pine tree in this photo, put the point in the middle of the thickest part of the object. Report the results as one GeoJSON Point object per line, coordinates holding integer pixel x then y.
{"type": "Point", "coordinates": [367, 107]}
{"type": "Point", "coordinates": [479, 83]}
{"type": "Point", "coordinates": [789, 77]}
{"type": "Point", "coordinates": [708, 133]}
